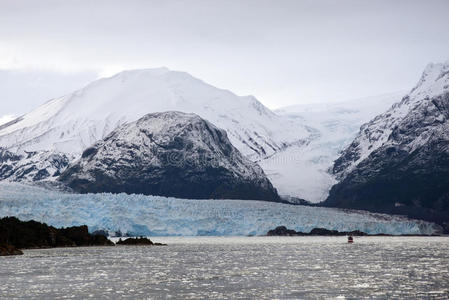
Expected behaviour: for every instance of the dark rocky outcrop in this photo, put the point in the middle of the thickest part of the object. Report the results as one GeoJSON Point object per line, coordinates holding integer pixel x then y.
{"type": "Point", "coordinates": [327, 232]}
{"type": "Point", "coordinates": [6, 250]}
{"type": "Point", "coordinates": [32, 234]}
{"type": "Point", "coordinates": [142, 241]}
{"type": "Point", "coordinates": [283, 231]}
{"type": "Point", "coordinates": [169, 154]}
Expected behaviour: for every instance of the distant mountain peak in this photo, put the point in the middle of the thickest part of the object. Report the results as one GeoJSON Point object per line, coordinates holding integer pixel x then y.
{"type": "Point", "coordinates": [434, 80]}
{"type": "Point", "coordinates": [148, 73]}
{"type": "Point", "coordinates": [71, 123]}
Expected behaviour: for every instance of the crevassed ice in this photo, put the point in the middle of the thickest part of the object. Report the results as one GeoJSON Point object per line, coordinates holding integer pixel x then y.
{"type": "Point", "coordinates": [161, 216]}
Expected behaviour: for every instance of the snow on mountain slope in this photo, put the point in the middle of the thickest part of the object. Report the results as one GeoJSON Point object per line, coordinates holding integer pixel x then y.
{"type": "Point", "coordinates": [304, 171]}
{"type": "Point", "coordinates": [5, 119]}
{"type": "Point", "coordinates": [31, 166]}
{"type": "Point", "coordinates": [377, 133]}
{"type": "Point", "coordinates": [72, 123]}
{"type": "Point", "coordinates": [160, 216]}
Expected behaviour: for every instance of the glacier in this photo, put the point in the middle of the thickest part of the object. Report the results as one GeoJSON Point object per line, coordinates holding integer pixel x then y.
{"type": "Point", "coordinates": [160, 216]}
{"type": "Point", "coordinates": [303, 170]}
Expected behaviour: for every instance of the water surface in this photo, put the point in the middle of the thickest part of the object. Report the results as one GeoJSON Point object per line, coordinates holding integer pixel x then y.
{"type": "Point", "coordinates": [235, 268]}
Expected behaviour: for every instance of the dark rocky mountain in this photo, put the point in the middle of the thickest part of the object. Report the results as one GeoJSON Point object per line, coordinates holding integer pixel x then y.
{"type": "Point", "coordinates": [169, 154]}
{"type": "Point", "coordinates": [399, 162]}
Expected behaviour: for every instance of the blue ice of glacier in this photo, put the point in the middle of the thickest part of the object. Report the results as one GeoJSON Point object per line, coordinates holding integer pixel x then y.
{"type": "Point", "coordinates": [161, 216]}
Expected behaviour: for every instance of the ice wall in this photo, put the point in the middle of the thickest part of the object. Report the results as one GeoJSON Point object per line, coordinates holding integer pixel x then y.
{"type": "Point", "coordinates": [160, 216]}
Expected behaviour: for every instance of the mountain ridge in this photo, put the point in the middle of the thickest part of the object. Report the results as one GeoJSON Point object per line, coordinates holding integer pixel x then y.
{"type": "Point", "coordinates": [399, 162]}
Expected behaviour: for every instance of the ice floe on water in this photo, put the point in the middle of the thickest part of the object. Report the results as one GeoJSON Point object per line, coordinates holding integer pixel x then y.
{"type": "Point", "coordinates": [161, 216]}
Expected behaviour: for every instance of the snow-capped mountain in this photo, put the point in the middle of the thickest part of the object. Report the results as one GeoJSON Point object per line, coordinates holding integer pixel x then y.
{"type": "Point", "coordinates": [303, 171]}
{"type": "Point", "coordinates": [169, 154]}
{"type": "Point", "coordinates": [414, 106]}
{"type": "Point", "coordinates": [72, 123]}
{"type": "Point", "coordinates": [399, 161]}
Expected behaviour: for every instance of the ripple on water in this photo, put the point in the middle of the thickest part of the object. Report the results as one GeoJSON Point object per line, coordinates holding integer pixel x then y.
{"type": "Point", "coordinates": [237, 268]}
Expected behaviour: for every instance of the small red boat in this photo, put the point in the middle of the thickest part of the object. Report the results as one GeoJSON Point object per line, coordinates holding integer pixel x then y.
{"type": "Point", "coordinates": [350, 239]}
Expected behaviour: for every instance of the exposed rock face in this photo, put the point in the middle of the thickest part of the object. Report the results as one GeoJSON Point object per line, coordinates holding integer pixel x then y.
{"type": "Point", "coordinates": [33, 234]}
{"type": "Point", "coordinates": [169, 154]}
{"type": "Point", "coordinates": [31, 166]}
{"type": "Point", "coordinates": [399, 162]}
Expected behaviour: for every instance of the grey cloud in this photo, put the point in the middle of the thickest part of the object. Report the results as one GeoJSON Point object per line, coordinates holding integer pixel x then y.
{"type": "Point", "coordinates": [283, 52]}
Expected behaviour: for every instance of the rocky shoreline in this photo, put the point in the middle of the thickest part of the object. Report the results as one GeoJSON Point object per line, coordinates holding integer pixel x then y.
{"type": "Point", "coordinates": [16, 235]}
{"type": "Point", "coordinates": [141, 241]}
{"type": "Point", "coordinates": [6, 249]}
{"type": "Point", "coordinates": [284, 231]}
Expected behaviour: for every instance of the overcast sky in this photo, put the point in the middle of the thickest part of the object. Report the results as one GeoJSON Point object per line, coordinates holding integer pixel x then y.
{"type": "Point", "coordinates": [283, 52]}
